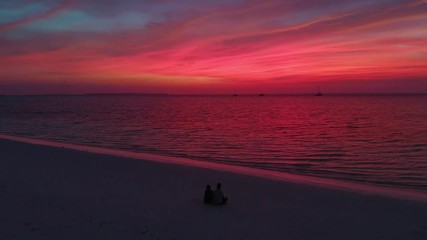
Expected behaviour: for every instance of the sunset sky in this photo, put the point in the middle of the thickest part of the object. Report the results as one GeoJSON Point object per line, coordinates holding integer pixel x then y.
{"type": "Point", "coordinates": [217, 46]}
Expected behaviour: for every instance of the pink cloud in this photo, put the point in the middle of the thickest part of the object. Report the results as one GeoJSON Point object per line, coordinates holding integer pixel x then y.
{"type": "Point", "coordinates": [258, 43]}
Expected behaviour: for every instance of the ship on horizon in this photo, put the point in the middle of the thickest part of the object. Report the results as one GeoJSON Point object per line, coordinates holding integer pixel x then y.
{"type": "Point", "coordinates": [318, 93]}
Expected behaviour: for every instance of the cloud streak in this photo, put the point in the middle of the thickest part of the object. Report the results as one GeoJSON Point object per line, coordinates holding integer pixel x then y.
{"type": "Point", "coordinates": [237, 43]}
{"type": "Point", "coordinates": [31, 19]}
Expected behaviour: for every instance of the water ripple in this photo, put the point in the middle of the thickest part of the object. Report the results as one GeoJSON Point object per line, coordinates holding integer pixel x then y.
{"type": "Point", "coordinates": [371, 139]}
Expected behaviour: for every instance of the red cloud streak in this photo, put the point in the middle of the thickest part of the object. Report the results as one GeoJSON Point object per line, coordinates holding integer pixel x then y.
{"type": "Point", "coordinates": [256, 47]}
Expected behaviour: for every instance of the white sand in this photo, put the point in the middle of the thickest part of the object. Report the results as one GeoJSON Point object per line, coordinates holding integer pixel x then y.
{"type": "Point", "coordinates": [60, 193]}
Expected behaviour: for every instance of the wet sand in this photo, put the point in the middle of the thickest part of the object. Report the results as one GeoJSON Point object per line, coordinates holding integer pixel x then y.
{"type": "Point", "coordinates": [54, 192]}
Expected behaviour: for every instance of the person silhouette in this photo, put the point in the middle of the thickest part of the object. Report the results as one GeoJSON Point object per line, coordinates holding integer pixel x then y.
{"type": "Point", "coordinates": [218, 195]}
{"type": "Point", "coordinates": [209, 197]}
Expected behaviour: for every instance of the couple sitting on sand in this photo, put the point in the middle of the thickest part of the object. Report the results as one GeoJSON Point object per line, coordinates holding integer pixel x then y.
{"type": "Point", "coordinates": [214, 197]}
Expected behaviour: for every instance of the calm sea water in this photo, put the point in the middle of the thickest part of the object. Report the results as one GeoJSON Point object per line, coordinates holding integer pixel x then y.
{"type": "Point", "coordinates": [379, 140]}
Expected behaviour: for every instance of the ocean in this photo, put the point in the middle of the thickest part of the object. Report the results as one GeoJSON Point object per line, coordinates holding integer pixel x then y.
{"type": "Point", "coordinates": [370, 139]}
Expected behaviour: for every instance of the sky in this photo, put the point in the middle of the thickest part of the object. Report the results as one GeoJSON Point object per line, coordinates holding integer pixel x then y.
{"type": "Point", "coordinates": [218, 46]}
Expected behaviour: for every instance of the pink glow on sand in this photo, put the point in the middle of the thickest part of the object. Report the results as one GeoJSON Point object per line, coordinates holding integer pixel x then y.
{"type": "Point", "coordinates": [279, 176]}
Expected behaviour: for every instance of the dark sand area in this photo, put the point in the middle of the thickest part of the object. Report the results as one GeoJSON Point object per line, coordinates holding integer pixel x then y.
{"type": "Point", "coordinates": [58, 193]}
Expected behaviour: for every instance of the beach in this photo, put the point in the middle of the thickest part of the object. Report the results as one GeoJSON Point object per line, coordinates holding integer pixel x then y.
{"type": "Point", "coordinates": [56, 192]}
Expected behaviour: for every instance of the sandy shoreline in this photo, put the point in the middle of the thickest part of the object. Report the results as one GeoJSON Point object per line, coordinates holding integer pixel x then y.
{"type": "Point", "coordinates": [59, 193]}
{"type": "Point", "coordinates": [281, 176]}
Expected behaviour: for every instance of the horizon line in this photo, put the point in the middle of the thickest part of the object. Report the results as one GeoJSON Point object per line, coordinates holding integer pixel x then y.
{"type": "Point", "coordinates": [205, 94]}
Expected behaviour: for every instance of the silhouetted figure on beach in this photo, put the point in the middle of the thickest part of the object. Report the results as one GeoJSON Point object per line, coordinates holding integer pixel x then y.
{"type": "Point", "coordinates": [219, 198]}
{"type": "Point", "coordinates": [209, 197]}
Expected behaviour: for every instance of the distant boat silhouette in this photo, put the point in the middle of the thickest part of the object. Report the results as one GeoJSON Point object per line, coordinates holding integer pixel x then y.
{"type": "Point", "coordinates": [318, 93]}
{"type": "Point", "coordinates": [261, 95]}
